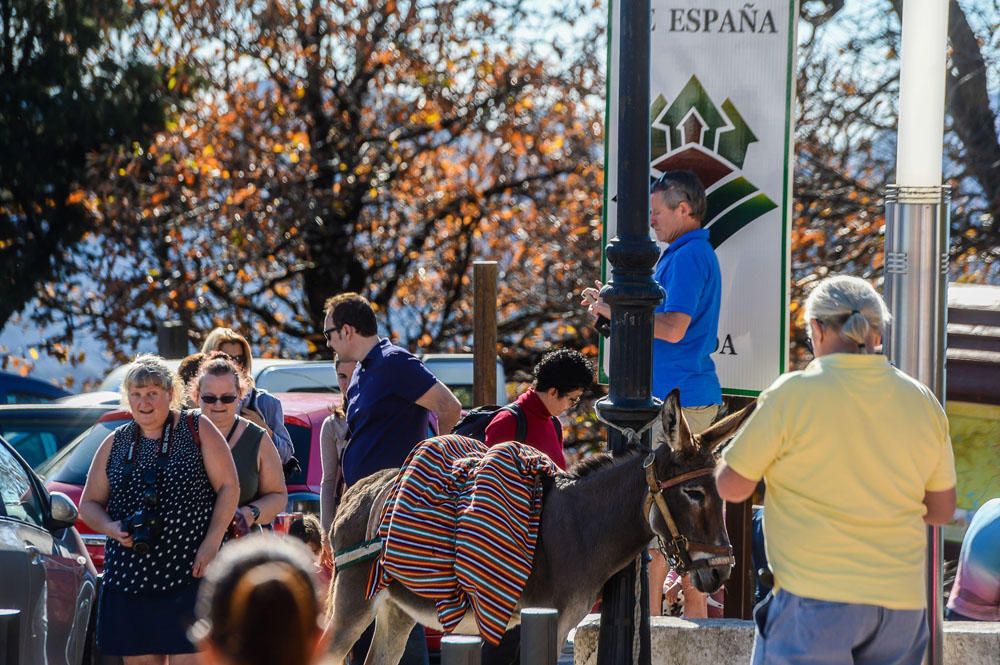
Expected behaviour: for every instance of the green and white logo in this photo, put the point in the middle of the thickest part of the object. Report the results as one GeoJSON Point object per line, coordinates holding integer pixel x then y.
{"type": "Point", "coordinates": [693, 133]}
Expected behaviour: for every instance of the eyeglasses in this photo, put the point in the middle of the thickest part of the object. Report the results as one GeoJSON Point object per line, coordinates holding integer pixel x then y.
{"type": "Point", "coordinates": [327, 333]}
{"type": "Point", "coordinates": [573, 401]}
{"type": "Point", "coordinates": [225, 399]}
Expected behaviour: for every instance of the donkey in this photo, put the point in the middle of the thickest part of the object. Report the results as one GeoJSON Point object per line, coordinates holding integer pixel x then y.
{"type": "Point", "coordinates": [595, 521]}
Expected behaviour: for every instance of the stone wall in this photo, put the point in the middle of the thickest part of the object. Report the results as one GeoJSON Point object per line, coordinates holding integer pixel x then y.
{"type": "Point", "coordinates": [729, 641]}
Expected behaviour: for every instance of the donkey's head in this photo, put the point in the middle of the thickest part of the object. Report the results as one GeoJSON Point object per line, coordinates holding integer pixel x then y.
{"type": "Point", "coordinates": [687, 515]}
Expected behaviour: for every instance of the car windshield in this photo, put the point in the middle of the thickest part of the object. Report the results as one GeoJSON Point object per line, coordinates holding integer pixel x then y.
{"type": "Point", "coordinates": [37, 439]}
{"type": "Point", "coordinates": [72, 463]}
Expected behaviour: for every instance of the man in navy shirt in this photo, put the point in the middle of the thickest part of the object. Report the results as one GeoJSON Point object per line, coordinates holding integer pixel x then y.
{"type": "Point", "coordinates": [391, 393]}
{"type": "Point", "coordinates": [686, 323]}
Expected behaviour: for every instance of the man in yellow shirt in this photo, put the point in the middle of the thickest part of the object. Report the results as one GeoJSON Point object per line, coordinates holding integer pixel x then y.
{"type": "Point", "coordinates": [856, 459]}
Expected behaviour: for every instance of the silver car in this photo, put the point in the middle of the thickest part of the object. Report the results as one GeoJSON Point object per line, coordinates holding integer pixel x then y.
{"type": "Point", "coordinates": [48, 584]}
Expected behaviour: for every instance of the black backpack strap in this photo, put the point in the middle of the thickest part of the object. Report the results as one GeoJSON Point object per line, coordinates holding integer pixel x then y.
{"type": "Point", "coordinates": [522, 422]}
{"type": "Point", "coordinates": [558, 425]}
{"type": "Point", "coordinates": [252, 404]}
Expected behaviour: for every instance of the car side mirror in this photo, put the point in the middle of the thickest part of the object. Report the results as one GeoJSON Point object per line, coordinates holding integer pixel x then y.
{"type": "Point", "coordinates": [62, 511]}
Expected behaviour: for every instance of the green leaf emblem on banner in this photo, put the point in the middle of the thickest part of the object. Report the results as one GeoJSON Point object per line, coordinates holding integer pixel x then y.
{"type": "Point", "coordinates": [693, 133]}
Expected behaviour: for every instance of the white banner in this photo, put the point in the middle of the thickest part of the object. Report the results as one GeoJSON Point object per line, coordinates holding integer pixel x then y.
{"type": "Point", "coordinates": [722, 93]}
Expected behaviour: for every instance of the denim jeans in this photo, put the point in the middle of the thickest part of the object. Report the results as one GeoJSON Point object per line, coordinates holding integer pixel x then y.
{"type": "Point", "coordinates": [794, 630]}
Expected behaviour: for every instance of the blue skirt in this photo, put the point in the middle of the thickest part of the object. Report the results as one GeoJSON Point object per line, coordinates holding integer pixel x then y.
{"type": "Point", "coordinates": [137, 624]}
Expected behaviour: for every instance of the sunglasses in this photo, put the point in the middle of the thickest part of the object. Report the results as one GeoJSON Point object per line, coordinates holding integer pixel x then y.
{"type": "Point", "coordinates": [149, 497]}
{"type": "Point", "coordinates": [239, 360]}
{"type": "Point", "coordinates": [225, 399]}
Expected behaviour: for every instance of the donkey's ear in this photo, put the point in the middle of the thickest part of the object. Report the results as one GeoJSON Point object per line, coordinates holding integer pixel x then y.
{"type": "Point", "coordinates": [676, 433]}
{"type": "Point", "coordinates": [722, 431]}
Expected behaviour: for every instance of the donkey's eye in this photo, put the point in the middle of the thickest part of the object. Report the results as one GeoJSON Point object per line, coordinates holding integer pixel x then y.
{"type": "Point", "coordinates": [694, 493]}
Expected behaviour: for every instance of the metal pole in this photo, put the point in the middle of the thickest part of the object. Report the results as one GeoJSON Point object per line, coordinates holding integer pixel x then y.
{"type": "Point", "coordinates": [461, 650]}
{"type": "Point", "coordinates": [632, 294]}
{"type": "Point", "coordinates": [916, 290]}
{"type": "Point", "coordinates": [539, 636]}
{"type": "Point", "coordinates": [484, 332]}
{"type": "Point", "coordinates": [916, 239]}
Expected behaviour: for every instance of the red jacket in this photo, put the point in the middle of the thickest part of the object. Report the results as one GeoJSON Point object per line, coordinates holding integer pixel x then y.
{"type": "Point", "coordinates": [542, 433]}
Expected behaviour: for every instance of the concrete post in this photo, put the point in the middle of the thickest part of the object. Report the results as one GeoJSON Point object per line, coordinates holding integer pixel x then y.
{"type": "Point", "coordinates": [461, 650]}
{"type": "Point", "coordinates": [539, 636]}
{"type": "Point", "coordinates": [10, 636]}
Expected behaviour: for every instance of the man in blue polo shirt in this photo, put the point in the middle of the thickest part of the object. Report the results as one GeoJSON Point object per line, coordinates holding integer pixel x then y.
{"type": "Point", "coordinates": [686, 323]}
{"type": "Point", "coordinates": [389, 402]}
{"type": "Point", "coordinates": [391, 394]}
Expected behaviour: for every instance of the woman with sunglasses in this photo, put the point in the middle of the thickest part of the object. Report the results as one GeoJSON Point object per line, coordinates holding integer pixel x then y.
{"type": "Point", "coordinates": [217, 390]}
{"type": "Point", "coordinates": [163, 489]}
{"type": "Point", "coordinates": [257, 405]}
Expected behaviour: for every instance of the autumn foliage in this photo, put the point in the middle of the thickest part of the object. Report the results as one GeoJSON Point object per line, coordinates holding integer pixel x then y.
{"type": "Point", "coordinates": [373, 146]}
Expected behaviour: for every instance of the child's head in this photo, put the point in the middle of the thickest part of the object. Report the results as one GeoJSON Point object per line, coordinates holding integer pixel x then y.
{"type": "Point", "coordinates": [307, 529]}
{"type": "Point", "coordinates": [258, 605]}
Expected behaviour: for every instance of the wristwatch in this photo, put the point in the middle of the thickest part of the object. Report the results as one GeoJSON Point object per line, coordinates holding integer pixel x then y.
{"type": "Point", "coordinates": [256, 512]}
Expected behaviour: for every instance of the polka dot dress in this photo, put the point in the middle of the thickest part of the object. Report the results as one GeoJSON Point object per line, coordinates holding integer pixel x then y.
{"type": "Point", "coordinates": [185, 502]}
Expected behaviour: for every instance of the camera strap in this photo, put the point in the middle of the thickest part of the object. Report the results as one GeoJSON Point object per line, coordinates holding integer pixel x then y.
{"type": "Point", "coordinates": [166, 441]}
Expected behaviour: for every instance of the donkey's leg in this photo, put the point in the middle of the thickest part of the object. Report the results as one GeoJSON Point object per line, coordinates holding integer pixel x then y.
{"type": "Point", "coordinates": [350, 611]}
{"type": "Point", "coordinates": [392, 630]}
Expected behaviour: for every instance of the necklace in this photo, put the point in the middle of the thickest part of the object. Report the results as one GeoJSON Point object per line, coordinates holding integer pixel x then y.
{"type": "Point", "coordinates": [232, 430]}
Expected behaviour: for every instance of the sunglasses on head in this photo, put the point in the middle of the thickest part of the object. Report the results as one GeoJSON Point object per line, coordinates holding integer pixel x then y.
{"type": "Point", "coordinates": [239, 360]}
{"type": "Point", "coordinates": [225, 399]}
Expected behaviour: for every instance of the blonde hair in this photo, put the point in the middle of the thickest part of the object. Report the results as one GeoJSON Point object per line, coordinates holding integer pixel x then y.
{"type": "Point", "coordinates": [220, 336]}
{"type": "Point", "coordinates": [149, 369]}
{"type": "Point", "coordinates": [850, 306]}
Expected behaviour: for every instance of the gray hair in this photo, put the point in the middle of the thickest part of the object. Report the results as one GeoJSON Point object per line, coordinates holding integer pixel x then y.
{"type": "Point", "coordinates": [682, 186]}
{"type": "Point", "coordinates": [850, 306]}
{"type": "Point", "coordinates": [149, 369]}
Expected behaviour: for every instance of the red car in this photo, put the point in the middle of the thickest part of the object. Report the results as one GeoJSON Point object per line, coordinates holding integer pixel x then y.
{"type": "Point", "coordinates": [66, 472]}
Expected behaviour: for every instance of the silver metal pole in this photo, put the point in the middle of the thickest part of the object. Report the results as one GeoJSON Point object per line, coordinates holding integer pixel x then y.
{"type": "Point", "coordinates": [916, 291]}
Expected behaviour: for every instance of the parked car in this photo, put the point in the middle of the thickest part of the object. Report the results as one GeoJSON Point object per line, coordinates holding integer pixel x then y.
{"type": "Point", "coordinates": [66, 472]}
{"type": "Point", "coordinates": [456, 371]}
{"type": "Point", "coordinates": [304, 415]}
{"type": "Point", "coordinates": [47, 574]}
{"type": "Point", "coordinates": [15, 389]}
{"type": "Point", "coordinates": [38, 431]}
{"type": "Point", "coordinates": [275, 375]}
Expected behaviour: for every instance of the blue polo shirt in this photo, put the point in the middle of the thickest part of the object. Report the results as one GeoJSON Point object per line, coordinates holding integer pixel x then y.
{"type": "Point", "coordinates": [688, 271]}
{"type": "Point", "coordinates": [383, 417]}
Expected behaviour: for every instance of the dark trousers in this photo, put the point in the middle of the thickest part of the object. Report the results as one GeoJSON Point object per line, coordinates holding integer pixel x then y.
{"type": "Point", "coordinates": [415, 653]}
{"type": "Point", "coordinates": [508, 652]}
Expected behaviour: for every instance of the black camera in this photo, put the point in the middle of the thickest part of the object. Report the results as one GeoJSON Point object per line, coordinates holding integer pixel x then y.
{"type": "Point", "coordinates": [144, 525]}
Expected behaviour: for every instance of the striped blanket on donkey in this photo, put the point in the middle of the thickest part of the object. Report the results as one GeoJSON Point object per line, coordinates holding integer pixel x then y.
{"type": "Point", "coordinates": [460, 526]}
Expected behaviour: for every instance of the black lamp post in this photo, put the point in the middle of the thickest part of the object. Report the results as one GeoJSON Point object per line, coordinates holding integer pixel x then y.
{"type": "Point", "coordinates": [632, 294]}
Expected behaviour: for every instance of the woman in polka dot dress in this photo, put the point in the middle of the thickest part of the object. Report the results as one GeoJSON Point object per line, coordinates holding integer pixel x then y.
{"type": "Point", "coordinates": [176, 466]}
